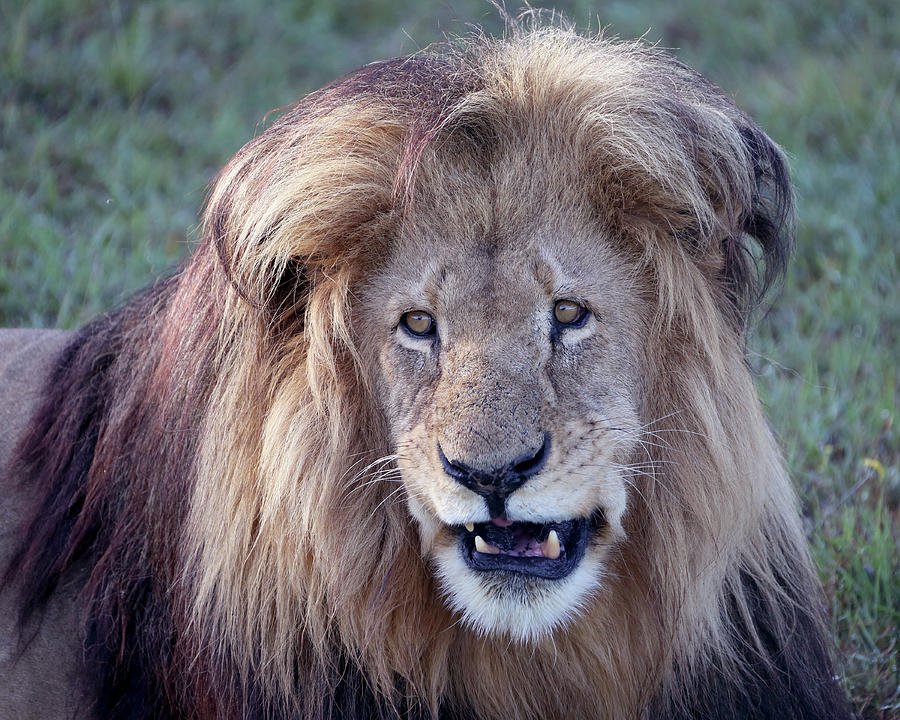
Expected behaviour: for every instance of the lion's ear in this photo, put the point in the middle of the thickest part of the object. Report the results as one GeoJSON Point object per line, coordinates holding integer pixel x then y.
{"type": "Point", "coordinates": [302, 202]}
{"type": "Point", "coordinates": [756, 253]}
{"type": "Point", "coordinates": [275, 286]}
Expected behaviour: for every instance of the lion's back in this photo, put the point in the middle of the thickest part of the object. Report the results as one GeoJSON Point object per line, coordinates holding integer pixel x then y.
{"type": "Point", "coordinates": [37, 682]}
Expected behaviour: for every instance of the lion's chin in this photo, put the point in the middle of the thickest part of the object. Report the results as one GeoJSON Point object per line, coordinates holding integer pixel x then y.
{"type": "Point", "coordinates": [512, 584]}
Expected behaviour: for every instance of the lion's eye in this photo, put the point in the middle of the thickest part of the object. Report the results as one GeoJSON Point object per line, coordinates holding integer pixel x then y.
{"type": "Point", "coordinates": [418, 323]}
{"type": "Point", "coordinates": [569, 313]}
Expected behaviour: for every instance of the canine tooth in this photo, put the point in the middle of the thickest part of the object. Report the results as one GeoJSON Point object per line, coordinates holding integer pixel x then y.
{"type": "Point", "coordinates": [470, 527]}
{"type": "Point", "coordinates": [550, 546]}
{"type": "Point", "coordinates": [483, 547]}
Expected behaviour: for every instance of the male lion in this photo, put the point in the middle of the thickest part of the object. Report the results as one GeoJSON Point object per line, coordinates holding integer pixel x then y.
{"type": "Point", "coordinates": [447, 416]}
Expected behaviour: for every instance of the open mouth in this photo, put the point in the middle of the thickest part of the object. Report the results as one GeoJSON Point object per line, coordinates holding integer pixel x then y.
{"type": "Point", "coordinates": [549, 550]}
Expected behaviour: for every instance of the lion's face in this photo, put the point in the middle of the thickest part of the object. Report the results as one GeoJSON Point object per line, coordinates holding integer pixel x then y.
{"type": "Point", "coordinates": [510, 349]}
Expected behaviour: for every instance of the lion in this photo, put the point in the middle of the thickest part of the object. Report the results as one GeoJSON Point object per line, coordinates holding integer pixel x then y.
{"type": "Point", "coordinates": [446, 416]}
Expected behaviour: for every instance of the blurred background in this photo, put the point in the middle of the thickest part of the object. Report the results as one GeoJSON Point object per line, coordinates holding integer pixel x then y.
{"type": "Point", "coordinates": [114, 117]}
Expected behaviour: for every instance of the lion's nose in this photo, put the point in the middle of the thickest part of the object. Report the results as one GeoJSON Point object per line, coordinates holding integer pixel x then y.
{"type": "Point", "coordinates": [497, 484]}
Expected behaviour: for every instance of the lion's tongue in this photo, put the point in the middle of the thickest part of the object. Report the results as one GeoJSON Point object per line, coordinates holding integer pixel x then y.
{"type": "Point", "coordinates": [525, 544]}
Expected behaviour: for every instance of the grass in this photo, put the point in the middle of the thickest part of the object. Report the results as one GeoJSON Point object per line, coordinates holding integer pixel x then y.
{"type": "Point", "coordinates": [115, 116]}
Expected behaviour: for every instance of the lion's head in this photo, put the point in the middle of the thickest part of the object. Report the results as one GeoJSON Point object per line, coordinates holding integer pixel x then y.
{"type": "Point", "coordinates": [467, 415]}
{"type": "Point", "coordinates": [502, 291]}
{"type": "Point", "coordinates": [510, 334]}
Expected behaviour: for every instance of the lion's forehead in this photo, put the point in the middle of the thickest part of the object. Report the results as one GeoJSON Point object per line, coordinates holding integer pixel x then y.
{"type": "Point", "coordinates": [488, 244]}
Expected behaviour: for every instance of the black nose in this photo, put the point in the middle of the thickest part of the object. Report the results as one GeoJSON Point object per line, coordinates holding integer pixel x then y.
{"type": "Point", "coordinates": [497, 484]}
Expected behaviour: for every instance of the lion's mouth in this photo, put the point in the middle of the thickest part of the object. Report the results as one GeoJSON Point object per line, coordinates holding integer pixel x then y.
{"type": "Point", "coordinates": [548, 550]}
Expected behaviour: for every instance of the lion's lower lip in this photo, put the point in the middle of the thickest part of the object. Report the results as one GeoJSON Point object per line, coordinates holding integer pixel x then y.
{"type": "Point", "coordinates": [516, 545]}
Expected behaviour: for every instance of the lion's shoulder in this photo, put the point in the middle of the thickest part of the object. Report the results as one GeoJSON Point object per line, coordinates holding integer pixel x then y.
{"type": "Point", "coordinates": [26, 361]}
{"type": "Point", "coordinates": [37, 669]}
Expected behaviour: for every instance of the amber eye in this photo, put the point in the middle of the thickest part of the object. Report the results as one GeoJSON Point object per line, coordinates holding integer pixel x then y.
{"type": "Point", "coordinates": [569, 312]}
{"type": "Point", "coordinates": [418, 323]}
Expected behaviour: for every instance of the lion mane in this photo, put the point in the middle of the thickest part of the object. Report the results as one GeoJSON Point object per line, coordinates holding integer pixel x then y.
{"type": "Point", "coordinates": [214, 470]}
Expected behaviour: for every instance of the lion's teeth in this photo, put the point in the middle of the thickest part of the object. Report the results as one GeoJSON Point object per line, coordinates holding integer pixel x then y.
{"type": "Point", "coordinates": [470, 527]}
{"type": "Point", "coordinates": [550, 546]}
{"type": "Point", "coordinates": [483, 547]}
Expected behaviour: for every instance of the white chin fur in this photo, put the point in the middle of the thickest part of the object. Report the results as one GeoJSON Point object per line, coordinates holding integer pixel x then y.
{"type": "Point", "coordinates": [523, 608]}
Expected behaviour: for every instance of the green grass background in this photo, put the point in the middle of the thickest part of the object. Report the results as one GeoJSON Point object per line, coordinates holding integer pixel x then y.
{"type": "Point", "coordinates": [114, 116]}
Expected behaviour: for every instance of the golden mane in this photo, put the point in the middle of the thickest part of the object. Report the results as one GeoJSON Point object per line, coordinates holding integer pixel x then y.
{"type": "Point", "coordinates": [248, 556]}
